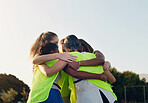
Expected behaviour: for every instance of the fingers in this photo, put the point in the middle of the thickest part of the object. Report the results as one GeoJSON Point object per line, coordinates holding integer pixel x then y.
{"type": "Point", "coordinates": [74, 56]}
{"type": "Point", "coordinates": [67, 60]}
{"type": "Point", "coordinates": [104, 77]}
{"type": "Point", "coordinates": [68, 57]}
{"type": "Point", "coordinates": [72, 59]}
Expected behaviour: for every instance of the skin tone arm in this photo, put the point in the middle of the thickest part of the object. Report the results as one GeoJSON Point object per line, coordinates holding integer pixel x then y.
{"type": "Point", "coordinates": [109, 75]}
{"type": "Point", "coordinates": [40, 59]}
{"type": "Point", "coordinates": [106, 67]}
{"type": "Point", "coordinates": [91, 62]}
{"type": "Point", "coordinates": [49, 71]}
{"type": "Point", "coordinates": [84, 75]}
{"type": "Point", "coordinates": [100, 60]}
{"type": "Point", "coordinates": [99, 54]}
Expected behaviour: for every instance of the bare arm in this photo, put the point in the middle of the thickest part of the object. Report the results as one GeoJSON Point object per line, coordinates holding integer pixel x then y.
{"type": "Point", "coordinates": [106, 65]}
{"type": "Point", "coordinates": [94, 62]}
{"type": "Point", "coordinates": [99, 54]}
{"type": "Point", "coordinates": [91, 62]}
{"type": "Point", "coordinates": [84, 75]}
{"type": "Point", "coordinates": [40, 59]}
{"type": "Point", "coordinates": [49, 71]}
{"type": "Point", "coordinates": [109, 75]}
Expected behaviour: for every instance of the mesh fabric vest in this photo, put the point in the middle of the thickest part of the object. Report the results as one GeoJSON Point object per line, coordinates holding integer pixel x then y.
{"type": "Point", "coordinates": [93, 69]}
{"type": "Point", "coordinates": [41, 84]}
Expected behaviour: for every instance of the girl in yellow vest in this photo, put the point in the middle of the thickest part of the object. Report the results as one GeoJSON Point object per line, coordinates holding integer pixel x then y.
{"type": "Point", "coordinates": [49, 69]}
{"type": "Point", "coordinates": [47, 37]}
{"type": "Point", "coordinates": [89, 91]}
{"type": "Point", "coordinates": [85, 47]}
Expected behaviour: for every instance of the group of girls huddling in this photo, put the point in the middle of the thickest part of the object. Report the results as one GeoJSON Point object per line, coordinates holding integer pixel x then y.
{"type": "Point", "coordinates": [76, 75]}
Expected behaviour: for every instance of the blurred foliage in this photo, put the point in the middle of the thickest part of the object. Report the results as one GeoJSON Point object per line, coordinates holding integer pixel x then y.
{"type": "Point", "coordinates": [8, 96]}
{"type": "Point", "coordinates": [25, 95]}
{"type": "Point", "coordinates": [13, 88]}
{"type": "Point", "coordinates": [128, 79]}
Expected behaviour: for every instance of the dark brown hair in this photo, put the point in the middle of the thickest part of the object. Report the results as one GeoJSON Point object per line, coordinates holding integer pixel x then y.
{"type": "Point", "coordinates": [48, 48]}
{"type": "Point", "coordinates": [71, 42]}
{"type": "Point", "coordinates": [85, 46]}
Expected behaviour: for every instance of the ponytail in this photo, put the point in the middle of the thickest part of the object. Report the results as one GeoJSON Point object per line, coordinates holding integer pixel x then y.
{"type": "Point", "coordinates": [46, 36]}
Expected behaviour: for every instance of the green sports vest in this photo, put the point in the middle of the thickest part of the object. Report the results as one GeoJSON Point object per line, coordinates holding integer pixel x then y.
{"type": "Point", "coordinates": [93, 69]}
{"type": "Point", "coordinates": [64, 84]}
{"type": "Point", "coordinates": [41, 84]}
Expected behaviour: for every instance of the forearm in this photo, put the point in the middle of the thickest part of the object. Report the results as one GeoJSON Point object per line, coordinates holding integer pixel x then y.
{"type": "Point", "coordinates": [49, 71]}
{"type": "Point", "coordinates": [92, 62]}
{"type": "Point", "coordinates": [40, 59]}
{"type": "Point", "coordinates": [62, 56]}
{"type": "Point", "coordinates": [84, 75]}
{"type": "Point", "coordinates": [110, 77]}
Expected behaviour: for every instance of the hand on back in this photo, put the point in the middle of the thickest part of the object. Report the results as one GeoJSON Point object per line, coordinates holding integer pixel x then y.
{"type": "Point", "coordinates": [74, 65]}
{"type": "Point", "coordinates": [106, 65]}
{"type": "Point", "coordinates": [103, 77]}
{"type": "Point", "coordinates": [67, 57]}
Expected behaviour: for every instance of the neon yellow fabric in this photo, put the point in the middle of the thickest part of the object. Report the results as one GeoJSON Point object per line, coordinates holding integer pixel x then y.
{"type": "Point", "coordinates": [72, 87]}
{"type": "Point", "coordinates": [41, 84]}
{"type": "Point", "coordinates": [63, 83]}
{"type": "Point", "coordinates": [93, 69]}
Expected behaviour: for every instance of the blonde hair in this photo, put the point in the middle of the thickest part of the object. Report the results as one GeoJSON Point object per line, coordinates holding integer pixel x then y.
{"type": "Point", "coordinates": [46, 36]}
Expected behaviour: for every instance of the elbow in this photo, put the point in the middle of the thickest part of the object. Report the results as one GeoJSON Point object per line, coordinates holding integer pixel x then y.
{"type": "Point", "coordinates": [34, 61]}
{"type": "Point", "coordinates": [101, 61]}
{"type": "Point", "coordinates": [37, 60]}
{"type": "Point", "coordinates": [113, 81]}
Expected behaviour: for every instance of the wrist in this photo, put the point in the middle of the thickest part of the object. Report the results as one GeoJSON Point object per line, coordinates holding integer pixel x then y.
{"type": "Point", "coordinates": [79, 63]}
{"type": "Point", "coordinates": [59, 55]}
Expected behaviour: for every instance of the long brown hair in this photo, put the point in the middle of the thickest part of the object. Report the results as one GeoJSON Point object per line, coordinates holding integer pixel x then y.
{"type": "Point", "coordinates": [71, 42]}
{"type": "Point", "coordinates": [46, 36]}
{"type": "Point", "coordinates": [85, 46]}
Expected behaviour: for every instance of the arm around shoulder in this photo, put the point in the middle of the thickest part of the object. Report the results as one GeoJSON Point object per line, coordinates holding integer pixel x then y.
{"type": "Point", "coordinates": [40, 59]}
{"type": "Point", "coordinates": [49, 71]}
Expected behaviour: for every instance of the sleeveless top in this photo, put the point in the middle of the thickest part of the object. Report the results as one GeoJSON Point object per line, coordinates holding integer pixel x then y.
{"type": "Point", "coordinates": [41, 84]}
{"type": "Point", "coordinates": [91, 69]}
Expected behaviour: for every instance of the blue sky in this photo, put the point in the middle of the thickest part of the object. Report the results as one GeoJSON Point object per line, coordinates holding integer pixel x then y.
{"type": "Point", "coordinates": [119, 29]}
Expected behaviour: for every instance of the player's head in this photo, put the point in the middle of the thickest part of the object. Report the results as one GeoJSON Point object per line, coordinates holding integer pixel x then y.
{"type": "Point", "coordinates": [48, 48]}
{"type": "Point", "coordinates": [71, 43]}
{"type": "Point", "coordinates": [85, 47]}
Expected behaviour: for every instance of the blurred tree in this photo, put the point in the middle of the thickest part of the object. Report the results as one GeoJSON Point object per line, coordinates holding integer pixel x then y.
{"type": "Point", "coordinates": [129, 79]}
{"type": "Point", "coordinates": [8, 96]}
{"type": "Point", "coordinates": [9, 82]}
